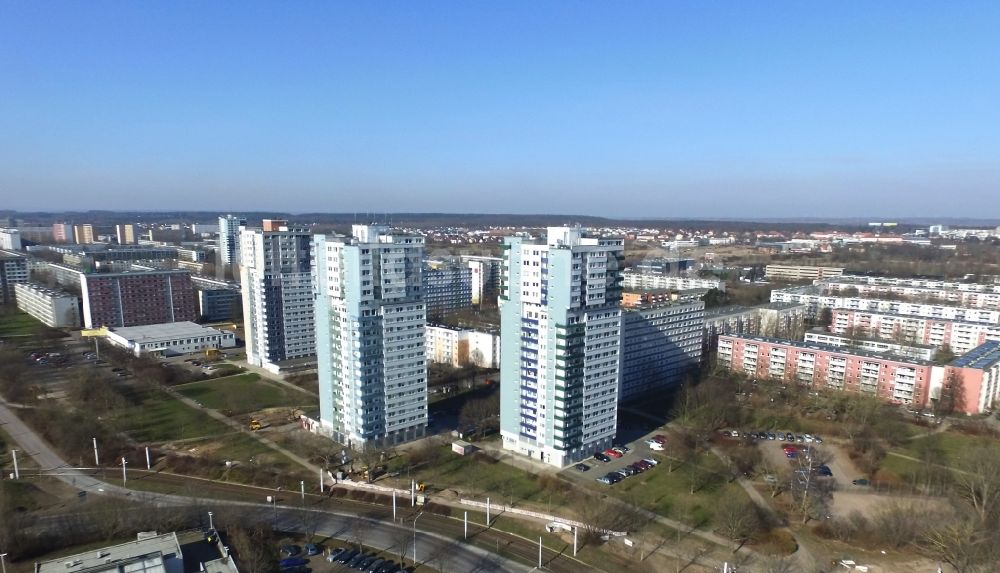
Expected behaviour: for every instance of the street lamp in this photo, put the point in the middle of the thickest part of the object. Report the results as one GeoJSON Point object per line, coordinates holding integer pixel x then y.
{"type": "Point", "coordinates": [210, 525]}
{"type": "Point", "coordinates": [17, 474]}
{"type": "Point", "coordinates": [415, 538]}
{"type": "Point", "coordinates": [3, 565]}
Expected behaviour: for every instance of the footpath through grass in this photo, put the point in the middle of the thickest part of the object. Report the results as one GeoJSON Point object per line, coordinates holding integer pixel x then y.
{"type": "Point", "coordinates": [158, 417]}
{"type": "Point", "coordinates": [244, 393]}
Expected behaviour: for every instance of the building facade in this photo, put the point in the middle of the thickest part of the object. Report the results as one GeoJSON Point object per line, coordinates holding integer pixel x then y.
{"type": "Point", "coordinates": [638, 281]}
{"type": "Point", "coordinates": [217, 300]}
{"type": "Point", "coordinates": [10, 239]}
{"type": "Point", "coordinates": [83, 234]}
{"type": "Point", "coordinates": [370, 339]}
{"type": "Point", "coordinates": [62, 233]}
{"type": "Point", "coordinates": [51, 307]}
{"type": "Point", "coordinates": [921, 351]}
{"type": "Point", "coordinates": [977, 373]}
{"type": "Point", "coordinates": [486, 273]}
{"type": "Point", "coordinates": [461, 348]}
{"type": "Point", "coordinates": [447, 289]}
{"type": "Point", "coordinates": [125, 234]}
{"type": "Point", "coordinates": [661, 345]}
{"type": "Point", "coordinates": [13, 270]}
{"type": "Point", "coordinates": [891, 378]}
{"type": "Point", "coordinates": [276, 278]}
{"type": "Point", "coordinates": [801, 272]}
{"type": "Point", "coordinates": [230, 228]}
{"type": "Point", "coordinates": [970, 295]}
{"type": "Point", "coordinates": [560, 310]}
{"type": "Point", "coordinates": [170, 339]}
{"type": "Point", "coordinates": [960, 336]}
{"type": "Point", "coordinates": [136, 298]}
{"type": "Point", "coordinates": [816, 299]}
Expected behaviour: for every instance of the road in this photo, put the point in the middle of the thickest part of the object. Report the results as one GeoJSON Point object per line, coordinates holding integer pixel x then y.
{"type": "Point", "coordinates": [439, 546]}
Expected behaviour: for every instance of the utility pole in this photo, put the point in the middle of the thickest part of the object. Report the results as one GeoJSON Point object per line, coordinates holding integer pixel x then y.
{"type": "Point", "coordinates": [210, 524]}
{"type": "Point", "coordinates": [393, 506]}
{"type": "Point", "coordinates": [302, 486]}
{"type": "Point", "coordinates": [539, 551]}
{"type": "Point", "coordinates": [149, 466]}
{"type": "Point", "coordinates": [3, 565]}
{"type": "Point", "coordinates": [466, 520]}
{"type": "Point", "coordinates": [124, 478]}
{"type": "Point", "coordinates": [487, 512]}
{"type": "Point", "coordinates": [17, 474]}
{"type": "Point", "coordinates": [97, 461]}
{"type": "Point", "coordinates": [575, 529]}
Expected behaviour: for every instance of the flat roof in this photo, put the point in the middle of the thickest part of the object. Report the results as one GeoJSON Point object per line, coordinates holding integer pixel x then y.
{"type": "Point", "coordinates": [139, 556]}
{"type": "Point", "coordinates": [782, 305]}
{"type": "Point", "coordinates": [721, 311]}
{"type": "Point", "coordinates": [44, 290]}
{"type": "Point", "coordinates": [981, 357]}
{"type": "Point", "coordinates": [820, 330]}
{"type": "Point", "coordinates": [834, 349]}
{"type": "Point", "coordinates": [166, 330]}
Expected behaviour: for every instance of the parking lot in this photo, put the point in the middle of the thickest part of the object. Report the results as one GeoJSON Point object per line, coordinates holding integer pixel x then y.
{"type": "Point", "coordinates": [637, 451]}
{"type": "Point", "coordinates": [337, 558]}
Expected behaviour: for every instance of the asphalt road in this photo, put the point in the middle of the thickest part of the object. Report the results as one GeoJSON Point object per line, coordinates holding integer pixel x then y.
{"type": "Point", "coordinates": [439, 551]}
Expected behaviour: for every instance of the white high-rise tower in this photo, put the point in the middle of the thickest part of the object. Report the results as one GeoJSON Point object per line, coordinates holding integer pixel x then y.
{"type": "Point", "coordinates": [560, 344]}
{"type": "Point", "coordinates": [276, 274]}
{"type": "Point", "coordinates": [370, 320]}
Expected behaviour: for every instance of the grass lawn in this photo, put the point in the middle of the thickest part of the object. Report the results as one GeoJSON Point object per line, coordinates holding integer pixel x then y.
{"type": "Point", "coordinates": [243, 393]}
{"type": "Point", "coordinates": [504, 482]}
{"type": "Point", "coordinates": [953, 444]}
{"type": "Point", "coordinates": [19, 324]}
{"type": "Point", "coordinates": [899, 466]}
{"type": "Point", "coordinates": [669, 493]}
{"type": "Point", "coordinates": [160, 418]}
{"type": "Point", "coordinates": [21, 495]}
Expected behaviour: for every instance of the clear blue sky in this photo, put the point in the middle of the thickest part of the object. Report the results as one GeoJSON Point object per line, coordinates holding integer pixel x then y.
{"type": "Point", "coordinates": [659, 108]}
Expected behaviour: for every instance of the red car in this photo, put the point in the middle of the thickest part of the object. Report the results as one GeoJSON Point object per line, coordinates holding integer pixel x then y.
{"type": "Point", "coordinates": [612, 453]}
{"type": "Point", "coordinates": [660, 438]}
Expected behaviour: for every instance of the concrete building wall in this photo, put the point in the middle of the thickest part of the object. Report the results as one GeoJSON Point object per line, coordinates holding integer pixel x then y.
{"type": "Point", "coordinates": [370, 320]}
{"type": "Point", "coordinates": [53, 308]}
{"type": "Point", "coordinates": [560, 344]}
{"type": "Point", "coordinates": [661, 345]}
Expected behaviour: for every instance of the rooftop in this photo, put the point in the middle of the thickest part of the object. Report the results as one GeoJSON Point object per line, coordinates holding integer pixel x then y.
{"type": "Point", "coordinates": [44, 290]}
{"type": "Point", "coordinates": [167, 330]}
{"type": "Point", "coordinates": [981, 357]}
{"type": "Point", "coordinates": [159, 554]}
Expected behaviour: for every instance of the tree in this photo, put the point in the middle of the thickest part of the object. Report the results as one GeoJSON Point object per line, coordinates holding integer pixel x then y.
{"type": "Point", "coordinates": [737, 518]}
{"type": "Point", "coordinates": [252, 544]}
{"type": "Point", "coordinates": [944, 355]}
{"type": "Point", "coordinates": [825, 318]}
{"type": "Point", "coordinates": [483, 414]}
{"type": "Point", "coordinates": [978, 482]}
{"type": "Point", "coordinates": [952, 394]}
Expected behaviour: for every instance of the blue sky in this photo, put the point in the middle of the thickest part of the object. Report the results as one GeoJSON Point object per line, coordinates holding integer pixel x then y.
{"type": "Point", "coordinates": [669, 109]}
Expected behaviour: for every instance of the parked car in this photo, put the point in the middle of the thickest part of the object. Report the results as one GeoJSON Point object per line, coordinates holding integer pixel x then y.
{"type": "Point", "coordinates": [781, 436]}
{"type": "Point", "coordinates": [290, 550]}
{"type": "Point", "coordinates": [375, 565]}
{"type": "Point", "coordinates": [771, 436]}
{"type": "Point", "coordinates": [312, 549]}
{"type": "Point", "coordinates": [660, 438]}
{"type": "Point", "coordinates": [818, 439]}
{"type": "Point", "coordinates": [823, 470]}
{"type": "Point", "coordinates": [654, 445]}
{"type": "Point", "coordinates": [365, 563]}
{"type": "Point", "coordinates": [353, 563]}
{"type": "Point", "coordinates": [621, 449]}
{"type": "Point", "coordinates": [599, 456]}
{"type": "Point", "coordinates": [626, 471]}
{"type": "Point", "coordinates": [335, 553]}
{"type": "Point", "coordinates": [650, 461]}
{"type": "Point", "coordinates": [612, 453]}
{"type": "Point", "coordinates": [791, 454]}
{"type": "Point", "coordinates": [292, 562]}
{"type": "Point", "coordinates": [347, 555]}
{"type": "Point", "coordinates": [582, 467]}
{"type": "Point", "coordinates": [861, 481]}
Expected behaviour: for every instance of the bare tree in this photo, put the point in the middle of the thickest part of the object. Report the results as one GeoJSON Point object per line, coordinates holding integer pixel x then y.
{"type": "Point", "coordinates": [978, 482]}
{"type": "Point", "coordinates": [737, 518]}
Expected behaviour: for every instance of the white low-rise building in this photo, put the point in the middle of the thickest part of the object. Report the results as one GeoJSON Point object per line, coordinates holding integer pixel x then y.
{"type": "Point", "coordinates": [51, 307]}
{"type": "Point", "coordinates": [170, 338]}
{"type": "Point", "coordinates": [460, 348]}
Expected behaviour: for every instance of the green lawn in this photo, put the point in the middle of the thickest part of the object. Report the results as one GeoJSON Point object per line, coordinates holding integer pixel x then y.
{"type": "Point", "coordinates": [160, 418]}
{"type": "Point", "coordinates": [470, 474]}
{"type": "Point", "coordinates": [19, 324]}
{"type": "Point", "coordinates": [953, 444]}
{"type": "Point", "coordinates": [669, 493]}
{"type": "Point", "coordinates": [244, 393]}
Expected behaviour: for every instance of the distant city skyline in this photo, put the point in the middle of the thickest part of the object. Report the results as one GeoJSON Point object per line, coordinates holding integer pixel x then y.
{"type": "Point", "coordinates": [673, 110]}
